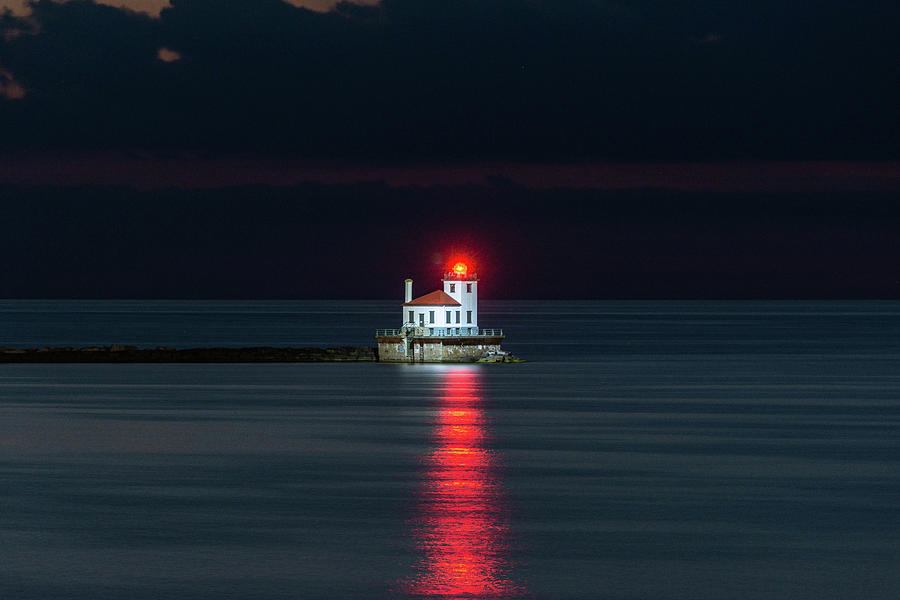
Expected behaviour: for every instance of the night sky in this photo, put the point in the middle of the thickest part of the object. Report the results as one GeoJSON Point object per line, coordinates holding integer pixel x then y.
{"type": "Point", "coordinates": [571, 148]}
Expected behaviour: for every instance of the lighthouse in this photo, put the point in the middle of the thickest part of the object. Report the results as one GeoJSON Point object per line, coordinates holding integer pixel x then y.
{"type": "Point", "coordinates": [442, 325]}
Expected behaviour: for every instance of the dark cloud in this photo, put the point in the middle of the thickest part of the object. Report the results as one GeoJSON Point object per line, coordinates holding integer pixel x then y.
{"type": "Point", "coordinates": [168, 55]}
{"type": "Point", "coordinates": [10, 89]}
{"type": "Point", "coordinates": [526, 79]}
{"type": "Point", "coordinates": [361, 241]}
{"type": "Point", "coordinates": [150, 170]}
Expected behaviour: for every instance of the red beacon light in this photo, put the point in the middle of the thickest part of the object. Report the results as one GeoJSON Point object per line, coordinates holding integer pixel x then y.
{"type": "Point", "coordinates": [460, 270]}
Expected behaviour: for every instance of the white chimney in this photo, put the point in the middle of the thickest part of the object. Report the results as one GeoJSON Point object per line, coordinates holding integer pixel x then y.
{"type": "Point", "coordinates": [408, 295]}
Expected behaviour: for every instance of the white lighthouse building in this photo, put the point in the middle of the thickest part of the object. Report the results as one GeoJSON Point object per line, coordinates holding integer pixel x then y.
{"type": "Point", "coordinates": [441, 326]}
{"type": "Point", "coordinates": [448, 312]}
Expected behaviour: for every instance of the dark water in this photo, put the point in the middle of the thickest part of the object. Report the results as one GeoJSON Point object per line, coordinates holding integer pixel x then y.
{"type": "Point", "coordinates": [648, 450]}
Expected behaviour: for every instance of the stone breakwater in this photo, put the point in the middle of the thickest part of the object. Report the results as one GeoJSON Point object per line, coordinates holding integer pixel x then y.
{"type": "Point", "coordinates": [161, 354]}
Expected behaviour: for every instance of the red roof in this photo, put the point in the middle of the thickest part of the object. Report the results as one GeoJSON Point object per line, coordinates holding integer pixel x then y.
{"type": "Point", "coordinates": [435, 298]}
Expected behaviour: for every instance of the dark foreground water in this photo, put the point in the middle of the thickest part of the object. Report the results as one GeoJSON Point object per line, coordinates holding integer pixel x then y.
{"type": "Point", "coordinates": [649, 450]}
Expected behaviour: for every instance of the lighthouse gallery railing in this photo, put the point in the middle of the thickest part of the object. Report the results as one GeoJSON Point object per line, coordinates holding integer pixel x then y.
{"type": "Point", "coordinates": [475, 332]}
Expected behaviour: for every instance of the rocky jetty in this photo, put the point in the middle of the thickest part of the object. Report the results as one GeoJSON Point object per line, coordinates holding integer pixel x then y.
{"type": "Point", "coordinates": [161, 354]}
{"type": "Point", "coordinates": [500, 356]}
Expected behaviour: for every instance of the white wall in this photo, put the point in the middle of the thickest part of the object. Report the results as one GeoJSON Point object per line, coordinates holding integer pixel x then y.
{"type": "Point", "coordinates": [440, 316]}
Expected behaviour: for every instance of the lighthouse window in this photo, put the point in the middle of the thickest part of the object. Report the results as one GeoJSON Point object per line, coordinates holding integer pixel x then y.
{"type": "Point", "coordinates": [457, 316]}
{"type": "Point", "coordinates": [412, 316]}
{"type": "Point", "coordinates": [452, 288]}
{"type": "Point", "coordinates": [468, 316]}
{"type": "Point", "coordinates": [421, 318]}
{"type": "Point", "coordinates": [468, 288]}
{"type": "Point", "coordinates": [431, 316]}
{"type": "Point", "coordinates": [448, 316]}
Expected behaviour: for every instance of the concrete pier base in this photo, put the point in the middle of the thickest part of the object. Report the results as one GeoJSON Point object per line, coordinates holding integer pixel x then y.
{"type": "Point", "coordinates": [426, 349]}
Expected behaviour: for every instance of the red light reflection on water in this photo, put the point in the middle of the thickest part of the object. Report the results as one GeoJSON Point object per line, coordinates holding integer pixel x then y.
{"type": "Point", "coordinates": [461, 527]}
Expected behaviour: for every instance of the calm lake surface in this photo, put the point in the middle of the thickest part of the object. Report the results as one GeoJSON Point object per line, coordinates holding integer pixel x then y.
{"type": "Point", "coordinates": [697, 450]}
